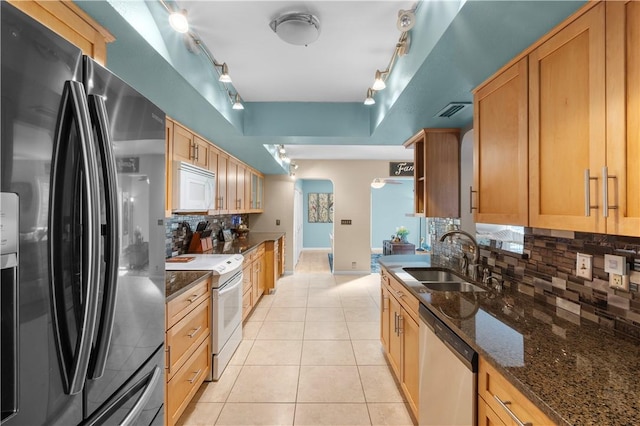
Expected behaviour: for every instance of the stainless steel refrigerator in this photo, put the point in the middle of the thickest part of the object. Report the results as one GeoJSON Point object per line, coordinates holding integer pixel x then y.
{"type": "Point", "coordinates": [82, 176]}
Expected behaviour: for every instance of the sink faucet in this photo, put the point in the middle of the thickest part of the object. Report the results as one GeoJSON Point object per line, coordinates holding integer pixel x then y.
{"type": "Point", "coordinates": [474, 249]}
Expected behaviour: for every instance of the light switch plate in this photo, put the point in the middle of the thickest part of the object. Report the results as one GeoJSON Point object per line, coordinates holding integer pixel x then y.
{"type": "Point", "coordinates": [584, 266]}
{"type": "Point", "coordinates": [615, 264]}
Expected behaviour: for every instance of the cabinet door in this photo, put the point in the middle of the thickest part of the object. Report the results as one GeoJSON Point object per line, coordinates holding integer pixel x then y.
{"type": "Point", "coordinates": [241, 187]}
{"type": "Point", "coordinates": [386, 320]}
{"type": "Point", "coordinates": [183, 144]}
{"type": "Point", "coordinates": [72, 23]}
{"type": "Point", "coordinates": [201, 157]}
{"type": "Point", "coordinates": [623, 117]}
{"type": "Point", "coordinates": [410, 333]}
{"type": "Point", "coordinates": [567, 126]}
{"type": "Point", "coordinates": [168, 181]}
{"type": "Point", "coordinates": [232, 185]}
{"type": "Point", "coordinates": [222, 196]}
{"type": "Point", "coordinates": [395, 338]}
{"type": "Point", "coordinates": [500, 154]}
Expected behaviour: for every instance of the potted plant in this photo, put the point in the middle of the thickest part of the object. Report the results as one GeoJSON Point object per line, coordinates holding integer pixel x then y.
{"type": "Point", "coordinates": [401, 234]}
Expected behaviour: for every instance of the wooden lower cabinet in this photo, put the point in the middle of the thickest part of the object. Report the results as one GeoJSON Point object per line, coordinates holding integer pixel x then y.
{"type": "Point", "coordinates": [399, 334]}
{"type": "Point", "coordinates": [187, 347]}
{"type": "Point", "coordinates": [185, 383]}
{"type": "Point", "coordinates": [493, 388]}
{"type": "Point", "coordinates": [254, 279]}
{"type": "Point", "coordinates": [486, 416]}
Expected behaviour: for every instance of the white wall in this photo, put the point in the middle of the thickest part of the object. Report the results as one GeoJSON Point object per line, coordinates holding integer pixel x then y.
{"type": "Point", "coordinates": [278, 205]}
{"type": "Point", "coordinates": [352, 200]}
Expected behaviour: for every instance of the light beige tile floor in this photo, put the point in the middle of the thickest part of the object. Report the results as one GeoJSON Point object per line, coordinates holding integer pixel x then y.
{"type": "Point", "coordinates": [310, 355]}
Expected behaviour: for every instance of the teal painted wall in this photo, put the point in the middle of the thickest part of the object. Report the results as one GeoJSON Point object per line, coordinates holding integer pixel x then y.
{"type": "Point", "coordinates": [389, 206]}
{"type": "Point", "coordinates": [315, 235]}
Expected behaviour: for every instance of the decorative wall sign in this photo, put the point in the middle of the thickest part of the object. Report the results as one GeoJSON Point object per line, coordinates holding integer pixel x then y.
{"type": "Point", "coordinates": [320, 207]}
{"type": "Point", "coordinates": [404, 168]}
{"type": "Point", "coordinates": [128, 164]}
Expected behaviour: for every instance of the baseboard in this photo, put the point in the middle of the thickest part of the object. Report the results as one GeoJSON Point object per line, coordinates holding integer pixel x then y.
{"type": "Point", "coordinates": [352, 272]}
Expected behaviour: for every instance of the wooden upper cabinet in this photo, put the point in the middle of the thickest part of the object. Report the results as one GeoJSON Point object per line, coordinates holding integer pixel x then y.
{"type": "Point", "coordinates": [222, 194]}
{"type": "Point", "coordinates": [623, 117]}
{"type": "Point", "coordinates": [500, 154]}
{"type": "Point", "coordinates": [168, 167]}
{"type": "Point", "coordinates": [436, 172]}
{"type": "Point", "coordinates": [70, 22]}
{"type": "Point", "coordinates": [201, 152]}
{"type": "Point", "coordinates": [189, 147]}
{"type": "Point", "coordinates": [240, 187]}
{"type": "Point", "coordinates": [567, 126]}
{"type": "Point", "coordinates": [183, 144]}
{"type": "Point", "coordinates": [232, 185]}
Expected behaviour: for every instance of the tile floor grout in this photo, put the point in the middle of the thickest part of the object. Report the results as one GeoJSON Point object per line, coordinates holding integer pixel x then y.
{"type": "Point", "coordinates": [376, 400]}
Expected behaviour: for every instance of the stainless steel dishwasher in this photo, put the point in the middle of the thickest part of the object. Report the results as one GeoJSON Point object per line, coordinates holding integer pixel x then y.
{"type": "Point", "coordinates": [448, 375]}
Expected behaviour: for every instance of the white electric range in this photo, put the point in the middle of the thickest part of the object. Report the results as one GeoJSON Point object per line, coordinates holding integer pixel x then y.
{"type": "Point", "coordinates": [226, 303]}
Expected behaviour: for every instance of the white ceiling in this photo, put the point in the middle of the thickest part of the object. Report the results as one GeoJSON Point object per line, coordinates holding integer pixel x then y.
{"type": "Point", "coordinates": [356, 38]}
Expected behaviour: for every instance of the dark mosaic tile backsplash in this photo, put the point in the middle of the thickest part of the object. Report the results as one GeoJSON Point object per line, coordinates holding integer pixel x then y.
{"type": "Point", "coordinates": [177, 232]}
{"type": "Point", "coordinates": [548, 274]}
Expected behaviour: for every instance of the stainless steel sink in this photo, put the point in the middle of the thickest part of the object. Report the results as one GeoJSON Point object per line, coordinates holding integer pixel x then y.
{"type": "Point", "coordinates": [461, 286]}
{"type": "Point", "coordinates": [432, 275]}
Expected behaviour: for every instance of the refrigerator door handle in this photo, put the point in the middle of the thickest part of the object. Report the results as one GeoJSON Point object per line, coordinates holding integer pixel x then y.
{"type": "Point", "coordinates": [100, 121]}
{"type": "Point", "coordinates": [74, 107]}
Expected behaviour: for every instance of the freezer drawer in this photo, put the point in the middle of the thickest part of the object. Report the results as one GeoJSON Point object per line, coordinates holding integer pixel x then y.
{"type": "Point", "coordinates": [139, 401]}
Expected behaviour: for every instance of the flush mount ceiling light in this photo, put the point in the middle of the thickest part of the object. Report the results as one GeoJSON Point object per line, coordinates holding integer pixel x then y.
{"type": "Point", "coordinates": [300, 29]}
{"type": "Point", "coordinates": [178, 21]}
{"type": "Point", "coordinates": [406, 20]}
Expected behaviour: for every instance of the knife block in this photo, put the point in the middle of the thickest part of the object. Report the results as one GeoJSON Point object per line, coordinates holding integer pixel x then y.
{"type": "Point", "coordinates": [199, 244]}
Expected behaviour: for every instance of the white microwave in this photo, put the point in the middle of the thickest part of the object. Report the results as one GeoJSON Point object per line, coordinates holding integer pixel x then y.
{"type": "Point", "coordinates": [194, 188]}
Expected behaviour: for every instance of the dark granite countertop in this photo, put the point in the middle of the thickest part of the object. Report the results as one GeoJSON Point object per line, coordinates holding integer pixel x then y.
{"type": "Point", "coordinates": [177, 282]}
{"type": "Point", "coordinates": [575, 371]}
{"type": "Point", "coordinates": [245, 244]}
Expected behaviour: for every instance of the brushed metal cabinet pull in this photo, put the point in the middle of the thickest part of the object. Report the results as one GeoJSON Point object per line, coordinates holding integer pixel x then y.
{"type": "Point", "coordinates": [504, 405]}
{"type": "Point", "coordinates": [194, 332]}
{"type": "Point", "coordinates": [195, 376]}
{"type": "Point", "coordinates": [587, 193]}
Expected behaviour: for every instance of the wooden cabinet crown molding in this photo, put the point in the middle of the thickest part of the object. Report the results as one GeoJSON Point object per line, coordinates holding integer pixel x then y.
{"type": "Point", "coordinates": [72, 23]}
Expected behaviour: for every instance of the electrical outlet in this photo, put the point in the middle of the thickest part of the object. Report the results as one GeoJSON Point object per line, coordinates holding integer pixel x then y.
{"type": "Point", "coordinates": [584, 266]}
{"type": "Point", "coordinates": [621, 282]}
{"type": "Point", "coordinates": [354, 265]}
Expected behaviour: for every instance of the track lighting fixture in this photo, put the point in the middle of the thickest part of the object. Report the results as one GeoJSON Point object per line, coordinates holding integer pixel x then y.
{"type": "Point", "coordinates": [379, 83]}
{"type": "Point", "coordinates": [236, 102]}
{"type": "Point", "coordinates": [281, 149]}
{"type": "Point", "coordinates": [406, 20]}
{"type": "Point", "coordinates": [369, 99]}
{"type": "Point", "coordinates": [224, 73]}
{"type": "Point", "coordinates": [178, 21]}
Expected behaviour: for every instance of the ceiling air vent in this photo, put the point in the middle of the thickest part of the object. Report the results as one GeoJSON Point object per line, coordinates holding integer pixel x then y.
{"type": "Point", "coordinates": [452, 109]}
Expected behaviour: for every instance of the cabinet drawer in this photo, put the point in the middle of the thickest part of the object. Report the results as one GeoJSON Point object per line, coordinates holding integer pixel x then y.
{"type": "Point", "coordinates": [187, 335]}
{"type": "Point", "coordinates": [181, 305]}
{"type": "Point", "coordinates": [185, 383]}
{"type": "Point", "coordinates": [493, 386]}
{"type": "Point", "coordinates": [406, 299]}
